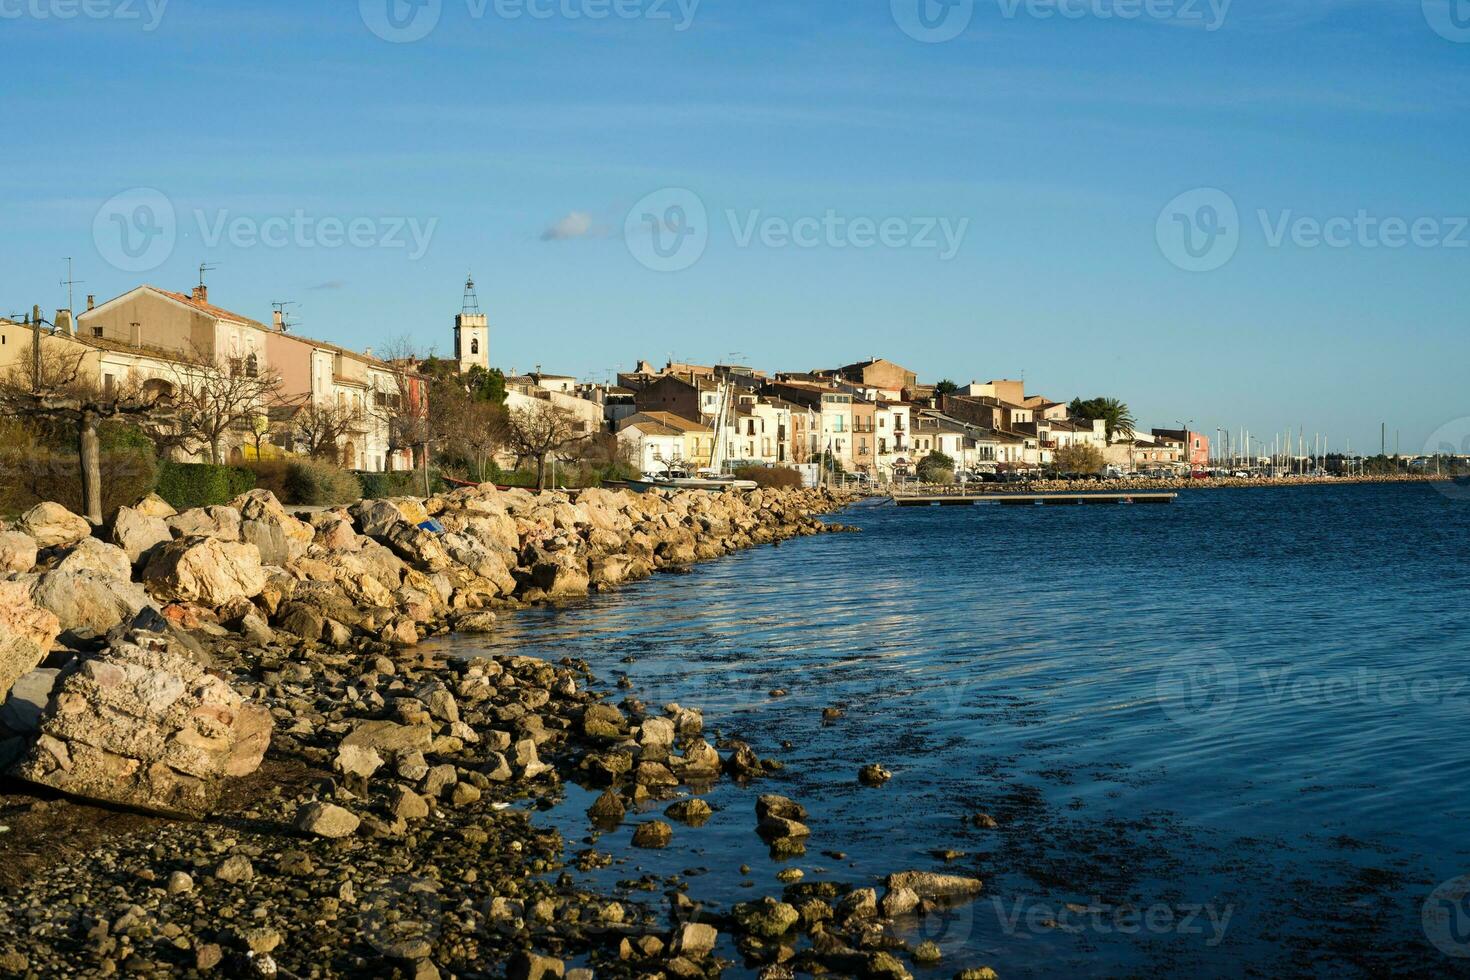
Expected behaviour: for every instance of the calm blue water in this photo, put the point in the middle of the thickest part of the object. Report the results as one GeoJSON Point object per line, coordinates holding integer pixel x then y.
{"type": "Point", "coordinates": [1232, 734]}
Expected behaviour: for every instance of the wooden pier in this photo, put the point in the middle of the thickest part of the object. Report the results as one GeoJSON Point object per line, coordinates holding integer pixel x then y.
{"type": "Point", "coordinates": [1049, 499]}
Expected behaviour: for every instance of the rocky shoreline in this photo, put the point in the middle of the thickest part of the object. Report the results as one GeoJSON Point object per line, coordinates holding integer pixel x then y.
{"type": "Point", "coordinates": [360, 806]}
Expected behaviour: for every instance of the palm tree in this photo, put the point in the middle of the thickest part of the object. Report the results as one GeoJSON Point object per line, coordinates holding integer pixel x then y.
{"type": "Point", "coordinates": [1117, 418]}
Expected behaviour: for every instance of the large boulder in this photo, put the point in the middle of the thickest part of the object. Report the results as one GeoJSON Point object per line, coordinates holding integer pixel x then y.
{"type": "Point", "coordinates": [144, 726]}
{"type": "Point", "coordinates": [222, 523]}
{"type": "Point", "coordinates": [205, 571]}
{"type": "Point", "coordinates": [137, 533]}
{"type": "Point", "coordinates": [375, 517]}
{"type": "Point", "coordinates": [92, 555]}
{"type": "Point", "coordinates": [155, 506]}
{"type": "Point", "coordinates": [53, 526]}
{"type": "Point", "coordinates": [88, 601]}
{"type": "Point", "coordinates": [26, 633]}
{"type": "Point", "coordinates": [17, 552]}
{"type": "Point", "coordinates": [264, 523]}
{"type": "Point", "coordinates": [28, 697]}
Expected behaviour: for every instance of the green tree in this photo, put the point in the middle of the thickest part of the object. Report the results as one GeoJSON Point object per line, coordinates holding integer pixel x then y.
{"type": "Point", "coordinates": [1116, 415]}
{"type": "Point", "coordinates": [486, 386]}
{"type": "Point", "coordinates": [935, 468]}
{"type": "Point", "coordinates": [1078, 458]}
{"type": "Point", "coordinates": [946, 387]}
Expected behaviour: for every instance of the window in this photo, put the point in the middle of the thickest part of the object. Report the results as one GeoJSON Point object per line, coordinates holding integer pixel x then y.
{"type": "Point", "coordinates": [109, 383]}
{"type": "Point", "coordinates": [252, 366]}
{"type": "Point", "coordinates": [475, 346]}
{"type": "Point", "coordinates": [96, 331]}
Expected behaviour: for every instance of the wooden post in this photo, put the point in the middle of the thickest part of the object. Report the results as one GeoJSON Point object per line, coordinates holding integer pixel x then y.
{"type": "Point", "coordinates": [91, 462]}
{"type": "Point", "coordinates": [36, 349]}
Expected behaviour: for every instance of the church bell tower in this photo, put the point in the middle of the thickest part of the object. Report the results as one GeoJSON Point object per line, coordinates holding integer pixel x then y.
{"type": "Point", "coordinates": [471, 332]}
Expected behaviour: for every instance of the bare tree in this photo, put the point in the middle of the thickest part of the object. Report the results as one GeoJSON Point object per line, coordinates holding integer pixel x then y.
{"type": "Point", "coordinates": [469, 429]}
{"type": "Point", "coordinates": [318, 430]}
{"type": "Point", "coordinates": [215, 396]}
{"type": "Point", "coordinates": [538, 432]}
{"type": "Point", "coordinates": [403, 405]}
{"type": "Point", "coordinates": [50, 386]}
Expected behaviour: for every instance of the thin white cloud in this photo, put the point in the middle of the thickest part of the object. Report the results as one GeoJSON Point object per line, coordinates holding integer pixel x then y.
{"type": "Point", "coordinates": [577, 224]}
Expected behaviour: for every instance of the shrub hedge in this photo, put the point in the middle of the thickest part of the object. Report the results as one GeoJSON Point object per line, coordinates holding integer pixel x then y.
{"type": "Point", "coordinates": [770, 476]}
{"type": "Point", "coordinates": [186, 485]}
{"type": "Point", "coordinates": [34, 475]}
{"type": "Point", "coordinates": [302, 481]}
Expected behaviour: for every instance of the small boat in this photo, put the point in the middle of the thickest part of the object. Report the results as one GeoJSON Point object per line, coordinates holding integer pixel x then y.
{"type": "Point", "coordinates": [715, 483]}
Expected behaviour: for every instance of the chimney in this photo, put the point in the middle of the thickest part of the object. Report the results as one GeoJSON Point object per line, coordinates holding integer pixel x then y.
{"type": "Point", "coordinates": [91, 302]}
{"type": "Point", "coordinates": [135, 334]}
{"type": "Point", "coordinates": [64, 323]}
{"type": "Point", "coordinates": [278, 320]}
{"type": "Point", "coordinates": [201, 294]}
{"type": "Point", "coordinates": [367, 352]}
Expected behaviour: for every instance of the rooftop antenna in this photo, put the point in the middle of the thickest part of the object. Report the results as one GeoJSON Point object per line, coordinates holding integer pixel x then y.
{"type": "Point", "coordinates": [203, 268]}
{"type": "Point", "coordinates": [471, 300]}
{"type": "Point", "coordinates": [69, 282]}
{"type": "Point", "coordinates": [280, 307]}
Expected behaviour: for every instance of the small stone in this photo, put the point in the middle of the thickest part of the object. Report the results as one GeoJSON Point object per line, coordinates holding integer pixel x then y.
{"type": "Point", "coordinates": [327, 820]}
{"type": "Point", "coordinates": [874, 775]}
{"type": "Point", "coordinates": [532, 966]}
{"type": "Point", "coordinates": [695, 940]}
{"type": "Point", "coordinates": [405, 804]}
{"type": "Point", "coordinates": [235, 869]}
{"type": "Point", "coordinates": [927, 953]}
{"type": "Point", "coordinates": [692, 811]}
{"type": "Point", "coordinates": [654, 834]}
{"type": "Point", "coordinates": [985, 821]}
{"type": "Point", "coordinates": [180, 883]}
{"type": "Point", "coordinates": [260, 939]}
{"type": "Point", "coordinates": [207, 956]}
{"type": "Point", "coordinates": [463, 794]}
{"type": "Point", "coordinates": [607, 809]}
{"type": "Point", "coordinates": [790, 876]}
{"type": "Point", "coordinates": [767, 918]}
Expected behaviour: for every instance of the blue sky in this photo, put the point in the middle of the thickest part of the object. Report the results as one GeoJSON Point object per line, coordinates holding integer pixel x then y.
{"type": "Point", "coordinates": [1067, 149]}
